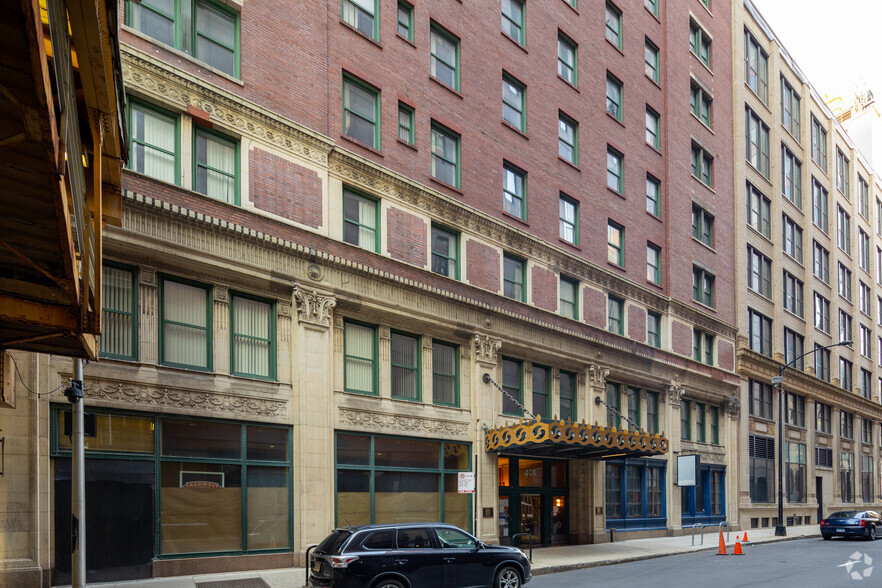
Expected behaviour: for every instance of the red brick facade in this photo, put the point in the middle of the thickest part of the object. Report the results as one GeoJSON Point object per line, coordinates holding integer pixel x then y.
{"type": "Point", "coordinates": [284, 188]}
{"type": "Point", "coordinates": [544, 288]}
{"type": "Point", "coordinates": [483, 265]}
{"type": "Point", "coordinates": [407, 237]}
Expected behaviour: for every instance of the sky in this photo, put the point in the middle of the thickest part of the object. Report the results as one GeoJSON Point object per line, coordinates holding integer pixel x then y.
{"type": "Point", "coordinates": [836, 43]}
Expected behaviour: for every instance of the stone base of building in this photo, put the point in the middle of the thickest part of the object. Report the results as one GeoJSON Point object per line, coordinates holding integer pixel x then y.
{"type": "Point", "coordinates": [191, 566]}
{"type": "Point", "coordinates": [25, 578]}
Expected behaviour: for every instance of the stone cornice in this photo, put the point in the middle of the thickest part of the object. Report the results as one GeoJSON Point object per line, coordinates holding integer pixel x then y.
{"type": "Point", "coordinates": [368, 420]}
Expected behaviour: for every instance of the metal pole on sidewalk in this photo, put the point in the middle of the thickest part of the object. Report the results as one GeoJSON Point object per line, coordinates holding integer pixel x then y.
{"type": "Point", "coordinates": [78, 479]}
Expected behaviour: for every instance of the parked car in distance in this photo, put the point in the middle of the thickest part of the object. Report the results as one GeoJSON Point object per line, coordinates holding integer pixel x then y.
{"type": "Point", "coordinates": [851, 523]}
{"type": "Point", "coordinates": [414, 555]}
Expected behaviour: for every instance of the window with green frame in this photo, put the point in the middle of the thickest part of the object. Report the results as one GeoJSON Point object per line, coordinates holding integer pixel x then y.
{"type": "Point", "coordinates": [445, 374]}
{"type": "Point", "coordinates": [567, 138]}
{"type": "Point", "coordinates": [652, 6]}
{"type": "Point", "coordinates": [406, 130]}
{"type": "Point", "coordinates": [514, 277]}
{"type": "Point", "coordinates": [653, 263]}
{"type": "Point", "coordinates": [713, 423]}
{"type": "Point", "coordinates": [615, 241]}
{"type": "Point", "coordinates": [652, 129]}
{"type": "Point", "coordinates": [405, 20]}
{"type": "Point", "coordinates": [614, 97]}
{"type": "Point", "coordinates": [703, 347]}
{"type": "Point", "coordinates": [703, 165]}
{"type": "Point", "coordinates": [653, 195]}
{"type": "Point", "coordinates": [700, 43]}
{"type": "Point", "coordinates": [566, 59]}
{"type": "Point", "coordinates": [651, 61]}
{"type": "Point", "coordinates": [653, 329]}
{"type": "Point", "coordinates": [569, 219]}
{"type": "Point", "coordinates": [616, 315]}
{"type": "Point", "coordinates": [615, 172]}
{"type": "Point", "coordinates": [185, 324]}
{"type": "Point", "coordinates": [651, 412]}
{"type": "Point", "coordinates": [445, 252]}
{"type": "Point", "coordinates": [253, 337]}
{"type": "Point", "coordinates": [700, 103]}
{"type": "Point", "coordinates": [154, 142]}
{"type": "Point", "coordinates": [569, 297]}
{"type": "Point", "coordinates": [361, 112]}
{"type": "Point", "coordinates": [382, 479]}
{"type": "Point", "coordinates": [513, 384]}
{"type": "Point", "coordinates": [216, 166]}
{"type": "Point", "coordinates": [700, 433]}
{"type": "Point", "coordinates": [513, 19]}
{"type": "Point", "coordinates": [363, 15]}
{"type": "Point", "coordinates": [567, 396]}
{"type": "Point", "coordinates": [223, 486]}
{"type": "Point", "coordinates": [360, 358]}
{"type": "Point", "coordinates": [514, 99]}
{"type": "Point", "coordinates": [514, 191]}
{"type": "Point", "coordinates": [360, 220]}
{"type": "Point", "coordinates": [119, 315]}
{"type": "Point", "coordinates": [541, 391]}
{"type": "Point", "coordinates": [633, 395]}
{"type": "Point", "coordinates": [406, 366]}
{"type": "Point", "coordinates": [444, 57]}
{"type": "Point", "coordinates": [614, 25]}
{"type": "Point", "coordinates": [686, 419]}
{"type": "Point", "coordinates": [702, 225]}
{"type": "Point", "coordinates": [613, 405]}
{"type": "Point", "coordinates": [445, 155]}
{"type": "Point", "coordinates": [703, 286]}
{"type": "Point", "coordinates": [207, 30]}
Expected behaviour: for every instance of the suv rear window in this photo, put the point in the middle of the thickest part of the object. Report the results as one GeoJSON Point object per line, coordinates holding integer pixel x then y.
{"type": "Point", "coordinates": [380, 540]}
{"type": "Point", "coordinates": [333, 542]}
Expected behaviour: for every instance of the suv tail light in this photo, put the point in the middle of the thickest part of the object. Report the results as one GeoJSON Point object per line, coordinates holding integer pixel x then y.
{"type": "Point", "coordinates": [342, 561]}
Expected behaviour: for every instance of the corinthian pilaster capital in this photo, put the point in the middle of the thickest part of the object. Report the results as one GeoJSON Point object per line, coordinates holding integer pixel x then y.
{"type": "Point", "coordinates": [314, 308]}
{"type": "Point", "coordinates": [675, 393]}
{"type": "Point", "coordinates": [597, 375]}
{"type": "Point", "coordinates": [486, 348]}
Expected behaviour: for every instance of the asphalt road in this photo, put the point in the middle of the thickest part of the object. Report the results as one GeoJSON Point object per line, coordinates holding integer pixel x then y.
{"type": "Point", "coordinates": [802, 563]}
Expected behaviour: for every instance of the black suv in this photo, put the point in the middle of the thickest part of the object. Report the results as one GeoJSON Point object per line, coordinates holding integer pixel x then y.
{"type": "Point", "coordinates": [414, 555]}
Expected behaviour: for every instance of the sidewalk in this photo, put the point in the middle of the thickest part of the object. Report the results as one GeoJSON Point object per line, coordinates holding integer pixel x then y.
{"type": "Point", "coordinates": [546, 560]}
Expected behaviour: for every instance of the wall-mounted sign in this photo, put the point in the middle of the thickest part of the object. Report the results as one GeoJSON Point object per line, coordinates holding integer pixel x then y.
{"type": "Point", "coordinates": [201, 479]}
{"type": "Point", "coordinates": [687, 469]}
{"type": "Point", "coordinates": [466, 483]}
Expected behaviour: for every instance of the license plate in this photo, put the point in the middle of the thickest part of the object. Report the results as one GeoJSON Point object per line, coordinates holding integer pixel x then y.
{"type": "Point", "coordinates": [840, 530]}
{"type": "Point", "coordinates": [316, 566]}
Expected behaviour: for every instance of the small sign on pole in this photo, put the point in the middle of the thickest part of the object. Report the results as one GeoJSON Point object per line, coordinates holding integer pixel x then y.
{"type": "Point", "coordinates": [466, 483]}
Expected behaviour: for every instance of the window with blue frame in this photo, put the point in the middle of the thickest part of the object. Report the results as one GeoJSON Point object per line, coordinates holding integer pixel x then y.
{"type": "Point", "coordinates": [635, 494]}
{"type": "Point", "coordinates": [706, 501]}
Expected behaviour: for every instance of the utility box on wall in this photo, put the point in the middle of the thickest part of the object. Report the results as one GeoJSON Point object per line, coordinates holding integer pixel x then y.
{"type": "Point", "coordinates": [7, 380]}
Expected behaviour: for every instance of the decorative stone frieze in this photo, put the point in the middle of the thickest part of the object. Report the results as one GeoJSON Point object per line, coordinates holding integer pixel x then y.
{"type": "Point", "coordinates": [376, 421]}
{"type": "Point", "coordinates": [314, 308]}
{"type": "Point", "coordinates": [486, 348]}
{"type": "Point", "coordinates": [221, 294]}
{"type": "Point", "coordinates": [147, 276]}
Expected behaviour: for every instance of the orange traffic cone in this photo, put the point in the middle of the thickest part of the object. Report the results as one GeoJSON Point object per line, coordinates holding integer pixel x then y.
{"type": "Point", "coordinates": [722, 549]}
{"type": "Point", "coordinates": [746, 541]}
{"type": "Point", "coordinates": [737, 547]}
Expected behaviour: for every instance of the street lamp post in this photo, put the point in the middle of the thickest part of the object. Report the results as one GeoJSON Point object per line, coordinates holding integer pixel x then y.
{"type": "Point", "coordinates": [781, 528]}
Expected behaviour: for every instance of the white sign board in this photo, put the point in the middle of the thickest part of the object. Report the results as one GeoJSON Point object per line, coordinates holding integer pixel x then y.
{"type": "Point", "coordinates": [687, 470]}
{"type": "Point", "coordinates": [466, 483]}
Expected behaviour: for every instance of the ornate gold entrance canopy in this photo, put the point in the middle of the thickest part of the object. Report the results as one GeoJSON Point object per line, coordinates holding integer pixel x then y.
{"type": "Point", "coordinates": [558, 438]}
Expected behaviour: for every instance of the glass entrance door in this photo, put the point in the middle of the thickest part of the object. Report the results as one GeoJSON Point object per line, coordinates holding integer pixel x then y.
{"type": "Point", "coordinates": [531, 517]}
{"type": "Point", "coordinates": [558, 519]}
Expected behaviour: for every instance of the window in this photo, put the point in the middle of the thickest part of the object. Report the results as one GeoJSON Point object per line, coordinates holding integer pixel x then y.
{"type": "Point", "coordinates": [863, 250]}
{"type": "Point", "coordinates": [759, 211]}
{"type": "Point", "coordinates": [822, 313]}
{"type": "Point", "coordinates": [702, 165]}
{"type": "Point", "coordinates": [819, 144]}
{"type": "Point", "coordinates": [405, 20]}
{"type": "Point", "coordinates": [567, 138]}
{"type": "Point", "coordinates": [757, 142]}
{"type": "Point", "coordinates": [541, 397]}
{"type": "Point", "coordinates": [795, 410]}
{"type": "Point", "coordinates": [569, 219]}
{"type": "Point", "coordinates": [822, 363]}
{"type": "Point", "coordinates": [700, 103]}
{"type": "Point", "coordinates": [514, 191]}
{"type": "Point", "coordinates": [793, 297]}
{"type": "Point", "coordinates": [879, 219]}
{"type": "Point", "coordinates": [362, 14]}
{"type": "Point", "coordinates": [793, 349]}
{"type": "Point", "coordinates": [405, 366]}
{"type": "Point", "coordinates": [444, 50]}
{"type": "Point", "coordinates": [864, 297]}
{"type": "Point", "coordinates": [686, 420]}
{"type": "Point", "coordinates": [761, 451]}
{"type": "Point", "coordinates": [445, 374]}
{"type": "Point", "coordinates": [713, 421]}
{"type": "Point", "coordinates": [819, 206]}
{"type": "Point", "coordinates": [844, 281]}
{"type": "Point", "coordinates": [616, 315]}
{"type": "Point", "coordinates": [792, 239]}
{"type": "Point", "coordinates": [185, 324]}
{"type": "Point", "coordinates": [569, 298]}
{"type": "Point", "coordinates": [513, 103]}
{"type": "Point", "coordinates": [653, 263]}
{"type": "Point", "coordinates": [796, 473]}
{"type": "Point", "coordinates": [845, 381]}
{"type": "Point", "coordinates": [253, 333]}
{"type": "Point", "coordinates": [445, 155]}
{"type": "Point", "coordinates": [615, 172]}
{"type": "Point", "coordinates": [756, 67]}
{"type": "Point", "coordinates": [653, 329]}
{"type": "Point", "coordinates": [653, 195]}
{"type": "Point", "coordinates": [867, 478]}
{"type": "Point", "coordinates": [822, 418]}
{"type": "Point", "coordinates": [703, 347]}
{"type": "Point", "coordinates": [821, 263]}
{"type": "Point", "coordinates": [759, 332]}
{"type": "Point", "coordinates": [843, 230]}
{"type": "Point", "coordinates": [652, 6]}
{"type": "Point", "coordinates": [652, 129]}
{"type": "Point", "coordinates": [699, 43]}
{"type": "Point", "coordinates": [567, 409]}
{"type": "Point", "coordinates": [651, 60]}
{"type": "Point", "coordinates": [700, 431]}
{"type": "Point", "coordinates": [613, 25]}
{"type": "Point", "coordinates": [513, 19]}
{"type": "Point", "coordinates": [791, 177]}
{"type": "Point", "coordinates": [615, 239]}
{"type": "Point", "coordinates": [866, 431]}
{"type": "Point", "coordinates": [702, 286]}
{"type": "Point", "coordinates": [613, 405]}
{"type": "Point", "coordinates": [512, 383]}
{"type": "Point", "coordinates": [216, 166]}
{"type": "Point", "coordinates": [702, 225]}
{"type": "Point", "coordinates": [760, 395]}
{"type": "Point", "coordinates": [846, 425]}
{"type": "Point", "coordinates": [845, 330]}
{"type": "Point", "coordinates": [360, 358]}
{"type": "Point", "coordinates": [614, 97]}
{"type": "Point", "coordinates": [445, 252]}
{"type": "Point", "coordinates": [153, 142]}
{"type": "Point", "coordinates": [789, 108]}
{"type": "Point", "coordinates": [206, 30]}
{"type": "Point", "coordinates": [759, 272]}
{"type": "Point", "coordinates": [360, 220]}
{"type": "Point", "coordinates": [864, 197]}
{"type": "Point", "coordinates": [361, 112]}
{"type": "Point", "coordinates": [846, 476]}
{"type": "Point", "coordinates": [406, 130]}
{"type": "Point", "coordinates": [842, 173]}
{"type": "Point", "coordinates": [119, 315]}
{"type": "Point", "coordinates": [866, 387]}
{"type": "Point", "coordinates": [514, 277]}
{"type": "Point", "coordinates": [566, 59]}
{"type": "Point", "coordinates": [651, 412]}
{"type": "Point", "coordinates": [633, 398]}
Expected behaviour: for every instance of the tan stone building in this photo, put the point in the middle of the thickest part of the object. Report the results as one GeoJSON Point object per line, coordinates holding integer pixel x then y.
{"type": "Point", "coordinates": [809, 261]}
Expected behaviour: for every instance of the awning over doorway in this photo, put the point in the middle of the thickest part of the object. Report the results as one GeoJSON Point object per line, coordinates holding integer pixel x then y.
{"type": "Point", "coordinates": [558, 438]}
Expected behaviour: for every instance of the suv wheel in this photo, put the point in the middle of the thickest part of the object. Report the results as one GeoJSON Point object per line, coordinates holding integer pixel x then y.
{"type": "Point", "coordinates": [388, 583]}
{"type": "Point", "coordinates": [507, 578]}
